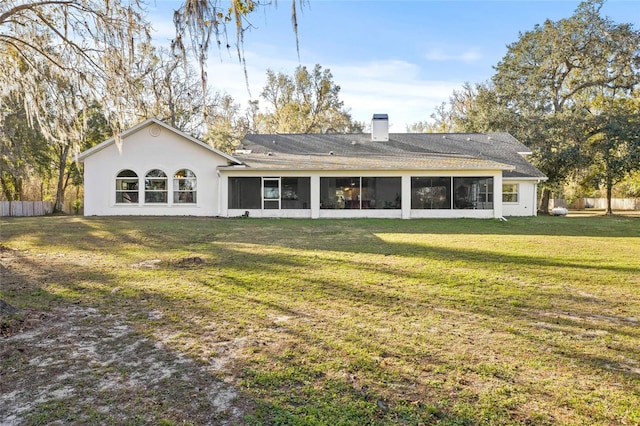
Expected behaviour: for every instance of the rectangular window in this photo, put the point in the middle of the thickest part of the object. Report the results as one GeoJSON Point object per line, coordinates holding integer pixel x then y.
{"type": "Point", "coordinates": [431, 193]}
{"type": "Point", "coordinates": [271, 193]}
{"type": "Point", "coordinates": [381, 193]}
{"type": "Point", "coordinates": [510, 192]}
{"type": "Point", "coordinates": [354, 193]}
{"type": "Point", "coordinates": [245, 192]}
{"type": "Point", "coordinates": [340, 193]}
{"type": "Point", "coordinates": [295, 193]}
{"type": "Point", "coordinates": [155, 187]}
{"type": "Point", "coordinates": [473, 193]}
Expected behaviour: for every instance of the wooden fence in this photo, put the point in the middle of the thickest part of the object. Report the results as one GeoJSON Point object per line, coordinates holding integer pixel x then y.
{"type": "Point", "coordinates": [25, 208]}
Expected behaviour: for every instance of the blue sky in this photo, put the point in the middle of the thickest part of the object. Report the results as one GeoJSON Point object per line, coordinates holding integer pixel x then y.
{"type": "Point", "coordinates": [398, 57]}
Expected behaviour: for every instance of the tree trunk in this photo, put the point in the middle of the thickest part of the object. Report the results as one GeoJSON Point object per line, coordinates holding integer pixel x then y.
{"type": "Point", "coordinates": [19, 188]}
{"type": "Point", "coordinates": [609, 191]}
{"type": "Point", "coordinates": [544, 204]}
{"type": "Point", "coordinates": [61, 184]}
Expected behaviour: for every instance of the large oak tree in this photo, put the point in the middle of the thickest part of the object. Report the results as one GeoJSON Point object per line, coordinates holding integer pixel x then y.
{"type": "Point", "coordinates": [559, 89]}
{"type": "Point", "coordinates": [551, 78]}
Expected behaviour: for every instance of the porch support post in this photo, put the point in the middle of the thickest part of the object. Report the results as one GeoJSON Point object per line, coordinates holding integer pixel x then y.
{"type": "Point", "coordinates": [315, 196]}
{"type": "Point", "coordinates": [497, 195]}
{"type": "Point", "coordinates": [223, 198]}
{"type": "Point", "coordinates": [405, 185]}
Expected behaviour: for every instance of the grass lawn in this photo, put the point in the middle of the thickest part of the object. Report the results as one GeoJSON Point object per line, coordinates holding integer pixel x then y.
{"type": "Point", "coordinates": [336, 322]}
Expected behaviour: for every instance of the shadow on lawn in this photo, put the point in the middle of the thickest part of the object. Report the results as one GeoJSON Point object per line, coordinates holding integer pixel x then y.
{"type": "Point", "coordinates": [520, 321]}
{"type": "Point", "coordinates": [151, 229]}
{"type": "Point", "coordinates": [233, 278]}
{"type": "Point", "coordinates": [80, 358]}
{"type": "Point", "coordinates": [91, 288]}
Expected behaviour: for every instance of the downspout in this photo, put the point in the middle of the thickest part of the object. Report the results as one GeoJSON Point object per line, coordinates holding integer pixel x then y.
{"type": "Point", "coordinates": [219, 201]}
{"type": "Point", "coordinates": [535, 199]}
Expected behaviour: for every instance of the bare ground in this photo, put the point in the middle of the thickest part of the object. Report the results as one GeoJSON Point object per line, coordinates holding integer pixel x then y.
{"type": "Point", "coordinates": [78, 365]}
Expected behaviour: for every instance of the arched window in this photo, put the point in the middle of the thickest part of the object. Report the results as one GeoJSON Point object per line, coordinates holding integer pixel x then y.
{"type": "Point", "coordinates": [184, 187]}
{"type": "Point", "coordinates": [127, 187]}
{"type": "Point", "coordinates": [155, 187]}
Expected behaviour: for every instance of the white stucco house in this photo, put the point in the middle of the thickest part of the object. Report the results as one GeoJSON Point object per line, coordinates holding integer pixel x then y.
{"type": "Point", "coordinates": [158, 170]}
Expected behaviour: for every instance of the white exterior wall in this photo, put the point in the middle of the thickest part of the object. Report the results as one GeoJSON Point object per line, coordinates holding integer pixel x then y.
{"type": "Point", "coordinates": [405, 212]}
{"type": "Point", "coordinates": [142, 152]}
{"type": "Point", "coordinates": [527, 199]}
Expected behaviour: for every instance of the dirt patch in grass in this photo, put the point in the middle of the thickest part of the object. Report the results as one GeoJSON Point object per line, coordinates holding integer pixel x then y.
{"type": "Point", "coordinates": [184, 262]}
{"type": "Point", "coordinates": [81, 365]}
{"type": "Point", "coordinates": [16, 321]}
{"type": "Point", "coordinates": [6, 309]}
{"type": "Point", "coordinates": [64, 361]}
{"type": "Point", "coordinates": [12, 319]}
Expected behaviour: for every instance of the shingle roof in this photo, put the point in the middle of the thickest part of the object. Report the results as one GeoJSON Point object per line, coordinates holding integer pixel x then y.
{"type": "Point", "coordinates": [417, 161]}
{"type": "Point", "coordinates": [408, 151]}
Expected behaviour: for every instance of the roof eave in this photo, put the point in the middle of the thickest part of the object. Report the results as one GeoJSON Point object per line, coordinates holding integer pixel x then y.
{"type": "Point", "coordinates": [387, 169]}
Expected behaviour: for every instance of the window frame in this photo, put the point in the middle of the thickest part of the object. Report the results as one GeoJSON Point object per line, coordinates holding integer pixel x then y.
{"type": "Point", "coordinates": [189, 195]}
{"type": "Point", "coordinates": [359, 193]}
{"type": "Point", "coordinates": [237, 186]}
{"type": "Point", "coordinates": [515, 193]}
{"type": "Point", "coordinates": [271, 199]}
{"type": "Point", "coordinates": [149, 193]}
{"type": "Point", "coordinates": [372, 190]}
{"type": "Point", "coordinates": [473, 192]}
{"type": "Point", "coordinates": [342, 199]}
{"type": "Point", "coordinates": [295, 192]}
{"type": "Point", "coordinates": [132, 193]}
{"type": "Point", "coordinates": [427, 199]}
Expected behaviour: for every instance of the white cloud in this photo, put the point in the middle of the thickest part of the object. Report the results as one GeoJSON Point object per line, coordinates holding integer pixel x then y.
{"type": "Point", "coordinates": [388, 86]}
{"type": "Point", "coordinates": [391, 69]}
{"type": "Point", "coordinates": [440, 55]}
{"type": "Point", "coordinates": [392, 87]}
{"type": "Point", "coordinates": [396, 90]}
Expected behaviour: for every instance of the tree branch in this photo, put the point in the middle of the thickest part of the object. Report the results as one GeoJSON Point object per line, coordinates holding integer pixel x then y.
{"type": "Point", "coordinates": [31, 6]}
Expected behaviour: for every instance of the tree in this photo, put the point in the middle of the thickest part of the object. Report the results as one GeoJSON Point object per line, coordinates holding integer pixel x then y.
{"type": "Point", "coordinates": [202, 22]}
{"type": "Point", "coordinates": [225, 126]}
{"type": "Point", "coordinates": [474, 108]}
{"type": "Point", "coordinates": [551, 76]}
{"type": "Point", "coordinates": [615, 145]}
{"type": "Point", "coordinates": [59, 104]}
{"type": "Point", "coordinates": [549, 91]}
{"type": "Point", "coordinates": [97, 131]}
{"type": "Point", "coordinates": [59, 56]}
{"type": "Point", "coordinates": [307, 102]}
{"type": "Point", "coordinates": [27, 156]}
{"type": "Point", "coordinates": [24, 152]}
{"type": "Point", "coordinates": [90, 44]}
{"type": "Point", "coordinates": [630, 185]}
{"type": "Point", "coordinates": [171, 92]}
